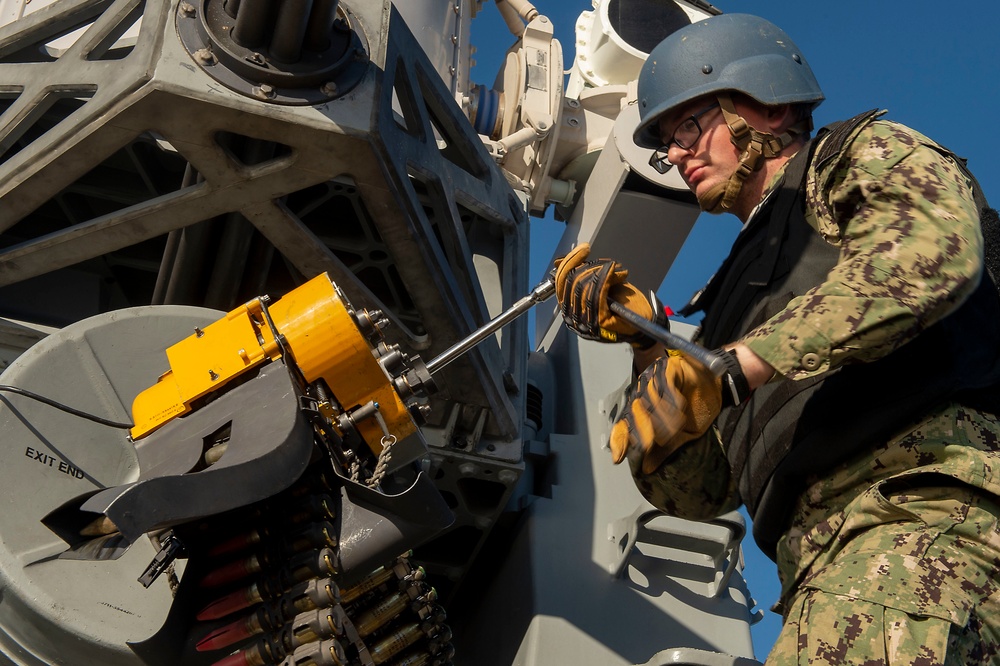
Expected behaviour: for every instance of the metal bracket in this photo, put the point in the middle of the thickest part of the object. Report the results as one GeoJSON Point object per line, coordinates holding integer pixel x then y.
{"type": "Point", "coordinates": [633, 529]}
{"type": "Point", "coordinates": [696, 657]}
{"type": "Point", "coordinates": [170, 550]}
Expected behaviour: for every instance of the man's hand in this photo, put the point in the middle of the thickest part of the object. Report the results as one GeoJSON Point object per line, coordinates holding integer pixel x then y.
{"type": "Point", "coordinates": [583, 289]}
{"type": "Point", "coordinates": [676, 401]}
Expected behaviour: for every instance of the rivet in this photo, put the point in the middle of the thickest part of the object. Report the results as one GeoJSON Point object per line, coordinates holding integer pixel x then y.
{"type": "Point", "coordinates": [797, 58]}
{"type": "Point", "coordinates": [706, 69]}
{"type": "Point", "coordinates": [213, 375]}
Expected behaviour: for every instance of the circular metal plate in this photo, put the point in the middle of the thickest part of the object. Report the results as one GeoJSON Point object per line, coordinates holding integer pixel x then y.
{"type": "Point", "coordinates": [63, 611]}
{"type": "Point", "coordinates": [205, 30]}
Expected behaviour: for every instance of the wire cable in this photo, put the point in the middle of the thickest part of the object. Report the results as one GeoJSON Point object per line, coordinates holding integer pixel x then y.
{"type": "Point", "coordinates": [65, 408]}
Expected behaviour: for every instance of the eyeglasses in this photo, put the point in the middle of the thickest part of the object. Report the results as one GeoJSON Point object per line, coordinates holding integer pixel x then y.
{"type": "Point", "coordinates": [685, 136]}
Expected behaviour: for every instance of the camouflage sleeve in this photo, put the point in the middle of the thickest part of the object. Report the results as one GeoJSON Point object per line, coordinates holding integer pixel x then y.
{"type": "Point", "coordinates": [693, 483]}
{"type": "Point", "coordinates": [903, 215]}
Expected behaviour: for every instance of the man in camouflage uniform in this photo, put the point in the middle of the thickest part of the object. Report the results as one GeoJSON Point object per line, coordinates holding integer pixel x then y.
{"type": "Point", "coordinates": [857, 419]}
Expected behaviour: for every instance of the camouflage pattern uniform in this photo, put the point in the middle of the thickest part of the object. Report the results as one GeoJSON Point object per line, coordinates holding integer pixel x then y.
{"type": "Point", "coordinates": [894, 556]}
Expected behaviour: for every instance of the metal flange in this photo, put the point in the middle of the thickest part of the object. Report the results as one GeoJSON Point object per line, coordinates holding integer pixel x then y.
{"type": "Point", "coordinates": [296, 53]}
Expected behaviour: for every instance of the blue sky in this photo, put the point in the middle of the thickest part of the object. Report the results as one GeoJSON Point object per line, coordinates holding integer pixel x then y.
{"type": "Point", "coordinates": [935, 66]}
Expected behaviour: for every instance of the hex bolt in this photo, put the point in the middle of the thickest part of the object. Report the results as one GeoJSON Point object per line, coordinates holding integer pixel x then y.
{"type": "Point", "coordinates": [263, 91]}
{"type": "Point", "coordinates": [187, 9]}
{"type": "Point", "coordinates": [329, 88]}
{"type": "Point", "coordinates": [205, 56]}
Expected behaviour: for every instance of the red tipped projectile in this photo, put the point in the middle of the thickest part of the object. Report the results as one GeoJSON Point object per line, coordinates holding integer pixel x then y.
{"type": "Point", "coordinates": [232, 572]}
{"type": "Point", "coordinates": [227, 605]}
{"type": "Point", "coordinates": [225, 636]}
{"type": "Point", "coordinates": [236, 544]}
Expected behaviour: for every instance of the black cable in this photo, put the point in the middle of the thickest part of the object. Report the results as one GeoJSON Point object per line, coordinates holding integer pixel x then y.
{"type": "Point", "coordinates": [69, 410]}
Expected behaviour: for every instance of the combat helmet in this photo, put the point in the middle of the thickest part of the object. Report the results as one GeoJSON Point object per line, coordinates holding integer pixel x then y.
{"type": "Point", "coordinates": [724, 54]}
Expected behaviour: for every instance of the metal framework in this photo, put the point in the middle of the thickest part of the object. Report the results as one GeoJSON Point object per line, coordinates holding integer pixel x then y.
{"type": "Point", "coordinates": [130, 175]}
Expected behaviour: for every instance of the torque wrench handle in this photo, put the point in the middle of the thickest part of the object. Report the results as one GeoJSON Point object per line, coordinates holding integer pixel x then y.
{"type": "Point", "coordinates": [707, 358]}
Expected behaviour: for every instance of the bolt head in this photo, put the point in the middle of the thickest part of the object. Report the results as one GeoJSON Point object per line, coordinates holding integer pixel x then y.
{"type": "Point", "coordinates": [263, 91]}
{"type": "Point", "coordinates": [507, 477]}
{"type": "Point", "coordinates": [205, 56]}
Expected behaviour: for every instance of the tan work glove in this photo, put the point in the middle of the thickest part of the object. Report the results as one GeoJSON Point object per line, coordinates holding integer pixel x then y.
{"type": "Point", "coordinates": [676, 401]}
{"type": "Point", "coordinates": [583, 289]}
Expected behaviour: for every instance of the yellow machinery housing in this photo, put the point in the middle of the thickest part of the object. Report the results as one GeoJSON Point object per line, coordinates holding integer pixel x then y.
{"type": "Point", "coordinates": [312, 327]}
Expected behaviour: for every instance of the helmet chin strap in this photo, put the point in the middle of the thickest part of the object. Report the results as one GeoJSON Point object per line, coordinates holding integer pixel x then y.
{"type": "Point", "coordinates": [753, 145]}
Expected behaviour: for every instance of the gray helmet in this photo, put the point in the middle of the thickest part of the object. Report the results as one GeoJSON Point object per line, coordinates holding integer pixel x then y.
{"type": "Point", "coordinates": [736, 52]}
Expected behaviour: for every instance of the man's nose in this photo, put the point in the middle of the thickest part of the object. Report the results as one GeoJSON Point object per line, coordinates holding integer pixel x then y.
{"type": "Point", "coordinates": [676, 154]}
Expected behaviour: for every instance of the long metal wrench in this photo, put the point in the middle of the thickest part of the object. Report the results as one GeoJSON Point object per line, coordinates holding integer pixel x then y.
{"type": "Point", "coordinates": [707, 358]}
{"type": "Point", "coordinates": [545, 289]}
{"type": "Point", "coordinates": [542, 292]}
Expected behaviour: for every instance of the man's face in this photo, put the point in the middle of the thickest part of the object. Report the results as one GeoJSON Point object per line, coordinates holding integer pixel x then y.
{"type": "Point", "coordinates": [712, 158]}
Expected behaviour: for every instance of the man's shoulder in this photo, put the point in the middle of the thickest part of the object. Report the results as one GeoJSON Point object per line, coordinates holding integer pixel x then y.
{"type": "Point", "coordinates": [873, 147]}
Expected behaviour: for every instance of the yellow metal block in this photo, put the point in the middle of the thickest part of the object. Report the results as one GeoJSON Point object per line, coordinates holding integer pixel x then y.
{"type": "Point", "coordinates": [203, 362]}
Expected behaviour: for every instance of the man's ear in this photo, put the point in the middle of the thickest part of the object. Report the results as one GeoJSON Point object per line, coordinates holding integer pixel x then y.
{"type": "Point", "coordinates": [780, 118]}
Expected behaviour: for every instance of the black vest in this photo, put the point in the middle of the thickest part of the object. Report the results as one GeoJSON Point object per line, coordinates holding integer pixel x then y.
{"type": "Point", "coordinates": [788, 430]}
